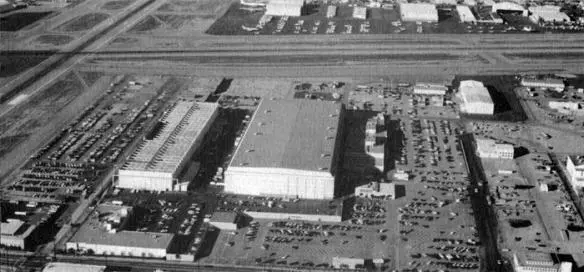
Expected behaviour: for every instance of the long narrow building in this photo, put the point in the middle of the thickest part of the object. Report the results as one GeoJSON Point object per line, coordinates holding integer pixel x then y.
{"type": "Point", "coordinates": [159, 160]}
{"type": "Point", "coordinates": [290, 149]}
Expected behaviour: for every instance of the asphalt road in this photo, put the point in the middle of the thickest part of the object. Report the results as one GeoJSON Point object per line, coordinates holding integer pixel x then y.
{"type": "Point", "coordinates": [483, 212]}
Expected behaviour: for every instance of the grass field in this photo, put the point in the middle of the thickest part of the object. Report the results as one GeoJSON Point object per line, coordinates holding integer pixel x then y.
{"type": "Point", "coordinates": [149, 23]}
{"type": "Point", "coordinates": [210, 7]}
{"type": "Point", "coordinates": [116, 4]}
{"type": "Point", "coordinates": [54, 39]}
{"type": "Point", "coordinates": [83, 22]}
{"type": "Point", "coordinates": [17, 21]}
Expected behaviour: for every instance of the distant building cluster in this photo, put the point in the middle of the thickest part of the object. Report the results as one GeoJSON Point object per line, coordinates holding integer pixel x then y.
{"type": "Point", "coordinates": [290, 149]}
{"type": "Point", "coordinates": [475, 98]}
{"type": "Point", "coordinates": [487, 148]}
{"type": "Point", "coordinates": [160, 158]}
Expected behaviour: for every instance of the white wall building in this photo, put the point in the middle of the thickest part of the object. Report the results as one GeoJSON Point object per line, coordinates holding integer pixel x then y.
{"type": "Point", "coordinates": [575, 167]}
{"type": "Point", "coordinates": [290, 149]}
{"type": "Point", "coordinates": [418, 12]}
{"type": "Point", "coordinates": [360, 13]}
{"type": "Point", "coordinates": [487, 148]}
{"type": "Point", "coordinates": [465, 14]}
{"type": "Point", "coordinates": [14, 233]}
{"type": "Point", "coordinates": [548, 13]}
{"type": "Point", "coordinates": [475, 98]}
{"type": "Point", "coordinates": [560, 105]}
{"type": "Point", "coordinates": [554, 84]}
{"type": "Point", "coordinates": [331, 11]}
{"type": "Point", "coordinates": [157, 163]}
{"type": "Point", "coordinates": [284, 7]}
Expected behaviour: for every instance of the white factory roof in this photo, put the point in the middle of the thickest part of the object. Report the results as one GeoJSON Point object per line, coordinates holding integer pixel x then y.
{"type": "Point", "coordinates": [430, 88]}
{"type": "Point", "coordinates": [472, 91]}
{"type": "Point", "coordinates": [507, 6]}
{"type": "Point", "coordinates": [465, 14]}
{"type": "Point", "coordinates": [288, 2]}
{"type": "Point", "coordinates": [549, 13]}
{"type": "Point", "coordinates": [418, 10]}
{"type": "Point", "coordinates": [489, 144]}
{"type": "Point", "coordinates": [297, 134]}
{"type": "Point", "coordinates": [183, 124]}
{"type": "Point", "coordinates": [73, 267]}
{"type": "Point", "coordinates": [10, 227]}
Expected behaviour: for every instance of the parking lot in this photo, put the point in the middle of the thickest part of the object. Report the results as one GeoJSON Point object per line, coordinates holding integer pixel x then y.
{"type": "Point", "coordinates": [72, 163]}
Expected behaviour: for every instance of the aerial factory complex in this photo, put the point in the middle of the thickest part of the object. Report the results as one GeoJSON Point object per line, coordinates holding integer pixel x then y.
{"type": "Point", "coordinates": [291, 135]}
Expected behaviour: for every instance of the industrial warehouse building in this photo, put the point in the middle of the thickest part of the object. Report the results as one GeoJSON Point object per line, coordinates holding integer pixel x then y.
{"type": "Point", "coordinates": [538, 262]}
{"type": "Point", "coordinates": [284, 7]}
{"type": "Point", "coordinates": [548, 13]}
{"type": "Point", "coordinates": [554, 84]}
{"type": "Point", "coordinates": [508, 7]}
{"type": "Point", "coordinates": [435, 92]}
{"type": "Point", "coordinates": [360, 13]}
{"type": "Point", "coordinates": [465, 14]}
{"type": "Point", "coordinates": [331, 11]}
{"type": "Point", "coordinates": [487, 148]}
{"type": "Point", "coordinates": [160, 159]}
{"type": "Point", "coordinates": [418, 12]}
{"type": "Point", "coordinates": [575, 167]}
{"type": "Point", "coordinates": [104, 235]}
{"type": "Point", "coordinates": [475, 98]}
{"type": "Point", "coordinates": [290, 149]}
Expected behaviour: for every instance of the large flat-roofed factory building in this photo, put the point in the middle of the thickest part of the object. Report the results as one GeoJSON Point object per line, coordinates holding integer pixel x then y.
{"type": "Point", "coordinates": [161, 158]}
{"type": "Point", "coordinates": [418, 12]}
{"type": "Point", "coordinates": [475, 98]}
{"type": "Point", "coordinates": [284, 7]}
{"type": "Point", "coordinates": [290, 149]}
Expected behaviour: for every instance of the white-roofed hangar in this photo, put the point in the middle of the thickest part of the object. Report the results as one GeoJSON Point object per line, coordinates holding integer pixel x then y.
{"type": "Point", "coordinates": [158, 162]}
{"type": "Point", "coordinates": [418, 12]}
{"type": "Point", "coordinates": [475, 98]}
{"type": "Point", "coordinates": [290, 149]}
